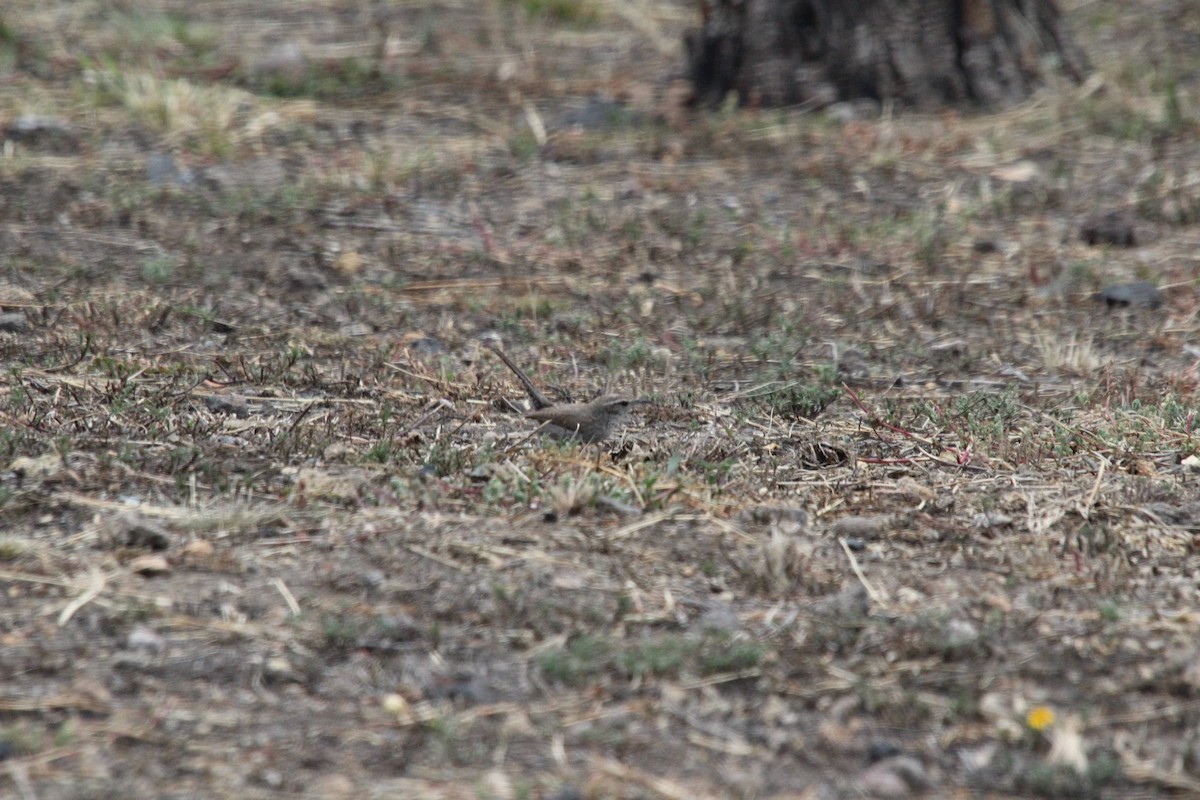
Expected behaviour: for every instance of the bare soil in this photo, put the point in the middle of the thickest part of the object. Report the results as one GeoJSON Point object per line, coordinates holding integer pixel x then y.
{"type": "Point", "coordinates": [913, 510]}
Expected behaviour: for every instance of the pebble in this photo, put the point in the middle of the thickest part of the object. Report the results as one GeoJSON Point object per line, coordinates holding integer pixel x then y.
{"type": "Point", "coordinates": [1141, 294]}
{"type": "Point", "coordinates": [895, 777]}
{"type": "Point", "coordinates": [1109, 227]}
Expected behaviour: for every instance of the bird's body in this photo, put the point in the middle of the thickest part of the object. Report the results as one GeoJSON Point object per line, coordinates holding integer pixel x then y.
{"type": "Point", "coordinates": [589, 422]}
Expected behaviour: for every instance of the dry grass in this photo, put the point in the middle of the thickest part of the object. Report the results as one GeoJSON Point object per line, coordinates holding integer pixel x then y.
{"type": "Point", "coordinates": [905, 486]}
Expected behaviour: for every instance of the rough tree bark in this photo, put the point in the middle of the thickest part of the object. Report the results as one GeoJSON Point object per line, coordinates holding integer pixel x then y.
{"type": "Point", "coordinates": [918, 53]}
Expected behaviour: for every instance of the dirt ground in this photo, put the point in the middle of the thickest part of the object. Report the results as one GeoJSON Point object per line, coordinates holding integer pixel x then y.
{"type": "Point", "coordinates": [913, 509]}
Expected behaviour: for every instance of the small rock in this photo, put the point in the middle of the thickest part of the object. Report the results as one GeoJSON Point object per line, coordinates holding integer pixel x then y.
{"type": "Point", "coordinates": [1109, 227]}
{"type": "Point", "coordinates": [851, 603]}
{"type": "Point", "coordinates": [227, 404]}
{"type": "Point", "coordinates": [961, 633]}
{"type": "Point", "coordinates": [1141, 294]}
{"type": "Point", "coordinates": [13, 322]}
{"type": "Point", "coordinates": [163, 170]}
{"type": "Point", "coordinates": [868, 528]}
{"type": "Point", "coordinates": [217, 177]}
{"type": "Point", "coordinates": [851, 110]}
{"type": "Point", "coordinates": [978, 758]}
{"type": "Point", "coordinates": [145, 638]}
{"type": "Point", "coordinates": [279, 668]}
{"type": "Point", "coordinates": [150, 566]}
{"type": "Point", "coordinates": [395, 703]}
{"type": "Point", "coordinates": [790, 519]}
{"type": "Point", "coordinates": [29, 124]}
{"type": "Point", "coordinates": [301, 278]}
{"type": "Point", "coordinates": [272, 778]}
{"type": "Point", "coordinates": [879, 782]}
{"type": "Point", "coordinates": [897, 776]}
{"type": "Point", "coordinates": [51, 132]}
{"type": "Point", "coordinates": [160, 169]}
{"type": "Point", "coordinates": [881, 749]}
{"type": "Point", "coordinates": [372, 579]}
{"type": "Point", "coordinates": [137, 531]}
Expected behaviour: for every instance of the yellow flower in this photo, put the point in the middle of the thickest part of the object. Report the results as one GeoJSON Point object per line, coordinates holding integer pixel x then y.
{"type": "Point", "coordinates": [1039, 718]}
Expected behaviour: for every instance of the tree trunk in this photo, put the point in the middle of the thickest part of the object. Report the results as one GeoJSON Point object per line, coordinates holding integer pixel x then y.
{"type": "Point", "coordinates": [919, 53]}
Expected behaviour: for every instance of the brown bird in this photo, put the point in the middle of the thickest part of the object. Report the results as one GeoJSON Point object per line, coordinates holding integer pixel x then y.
{"type": "Point", "coordinates": [589, 422]}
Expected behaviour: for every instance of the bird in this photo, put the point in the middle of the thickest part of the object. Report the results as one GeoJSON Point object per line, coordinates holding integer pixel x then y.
{"type": "Point", "coordinates": [590, 422]}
